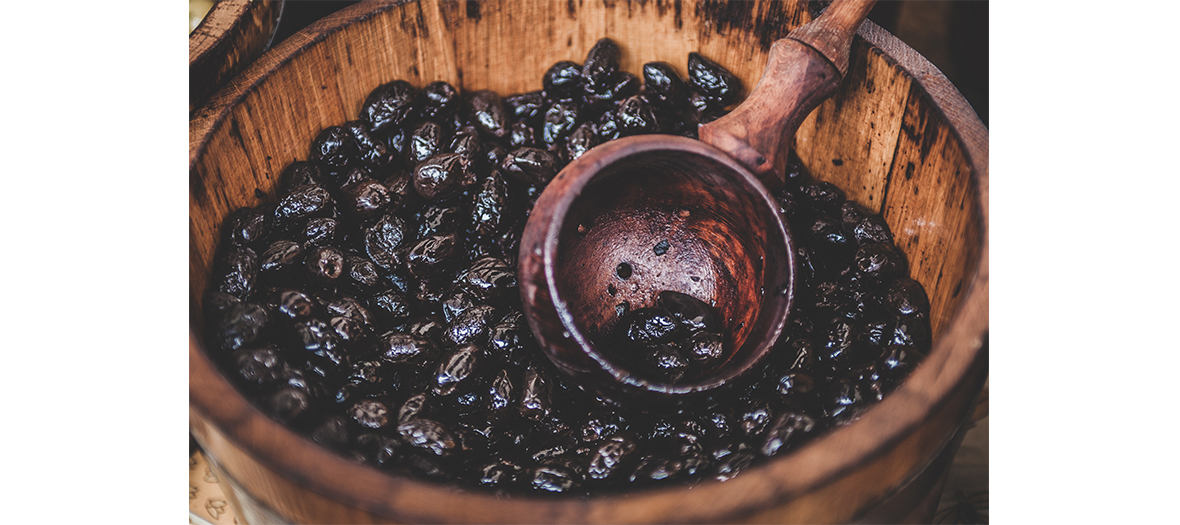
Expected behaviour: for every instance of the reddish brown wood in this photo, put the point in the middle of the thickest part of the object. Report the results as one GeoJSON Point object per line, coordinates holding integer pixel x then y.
{"type": "Point", "coordinates": [804, 69]}
{"type": "Point", "coordinates": [247, 133]}
{"type": "Point", "coordinates": [831, 33]}
{"type": "Point", "coordinates": [727, 247]}
{"type": "Point", "coordinates": [232, 34]}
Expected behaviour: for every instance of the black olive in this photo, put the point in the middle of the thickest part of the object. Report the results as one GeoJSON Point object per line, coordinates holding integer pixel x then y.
{"type": "Point", "coordinates": [333, 148]}
{"type": "Point", "coordinates": [562, 81]}
{"type": "Point", "coordinates": [693, 313]}
{"type": "Point", "coordinates": [601, 62]}
{"type": "Point", "coordinates": [249, 227]}
{"type": "Point", "coordinates": [325, 263]}
{"type": "Point", "coordinates": [864, 226]}
{"type": "Point", "coordinates": [438, 100]}
{"type": "Point", "coordinates": [733, 464]}
{"type": "Point", "coordinates": [879, 263]}
{"type": "Point", "coordinates": [536, 399]}
{"type": "Point", "coordinates": [349, 307]}
{"type": "Point", "coordinates": [706, 349]}
{"type": "Point", "coordinates": [392, 305]}
{"type": "Point", "coordinates": [388, 105]}
{"type": "Point", "coordinates": [260, 367]}
{"type": "Point", "coordinates": [522, 134]}
{"type": "Point", "coordinates": [560, 119]}
{"type": "Point", "coordinates": [614, 455]}
{"type": "Point", "coordinates": [527, 107]}
{"type": "Point", "coordinates": [489, 279]}
{"type": "Point", "coordinates": [457, 368]}
{"type": "Point", "coordinates": [636, 117]}
{"type": "Point", "coordinates": [466, 142]}
{"type": "Point", "coordinates": [666, 362]}
{"type": "Point", "coordinates": [608, 125]}
{"type": "Point", "coordinates": [300, 173]}
{"type": "Point", "coordinates": [907, 298]}
{"type": "Point", "coordinates": [287, 404]}
{"type": "Point", "coordinates": [843, 398]}
{"type": "Point", "coordinates": [488, 114]}
{"type": "Point", "coordinates": [787, 429]}
{"type": "Point", "coordinates": [384, 238]}
{"type": "Point", "coordinates": [304, 202]}
{"type": "Point", "coordinates": [428, 435]}
{"type": "Point", "coordinates": [364, 198]}
{"type": "Point", "coordinates": [427, 140]}
{"type": "Point", "coordinates": [401, 190]}
{"type": "Point", "coordinates": [531, 165]}
{"type": "Point", "coordinates": [320, 231]}
{"type": "Point", "coordinates": [438, 219]}
{"type": "Point", "coordinates": [554, 478]}
{"type": "Point", "coordinates": [279, 261]}
{"type": "Point", "coordinates": [618, 87]}
{"type": "Point", "coordinates": [432, 254]}
{"type": "Point", "coordinates": [442, 175]}
{"type": "Point", "coordinates": [370, 413]}
{"type": "Point", "coordinates": [490, 205]}
{"type": "Point", "coordinates": [238, 272]}
{"type": "Point", "coordinates": [712, 80]}
{"type": "Point", "coordinates": [296, 305]}
{"type": "Point", "coordinates": [663, 87]}
{"type": "Point", "coordinates": [583, 139]}
{"type": "Point", "coordinates": [648, 326]}
{"type": "Point", "coordinates": [825, 197]}
{"type": "Point", "coordinates": [369, 151]}
{"type": "Point", "coordinates": [500, 392]}
{"type": "Point", "coordinates": [427, 327]}
{"type": "Point", "coordinates": [829, 240]}
{"type": "Point", "coordinates": [471, 326]}
{"type": "Point", "coordinates": [405, 348]}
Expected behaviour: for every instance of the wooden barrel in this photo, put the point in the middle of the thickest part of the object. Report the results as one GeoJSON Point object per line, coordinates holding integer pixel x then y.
{"type": "Point", "coordinates": [897, 137]}
{"type": "Point", "coordinates": [231, 36]}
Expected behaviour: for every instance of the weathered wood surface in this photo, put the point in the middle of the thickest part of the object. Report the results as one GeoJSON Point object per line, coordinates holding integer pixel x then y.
{"type": "Point", "coordinates": [802, 71]}
{"type": "Point", "coordinates": [231, 36]}
{"type": "Point", "coordinates": [896, 136]}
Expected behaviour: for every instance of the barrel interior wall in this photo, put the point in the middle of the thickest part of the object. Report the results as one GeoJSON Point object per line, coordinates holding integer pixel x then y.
{"type": "Point", "coordinates": [883, 141]}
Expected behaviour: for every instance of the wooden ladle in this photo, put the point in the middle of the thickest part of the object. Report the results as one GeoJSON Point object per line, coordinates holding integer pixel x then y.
{"type": "Point", "coordinates": [644, 214]}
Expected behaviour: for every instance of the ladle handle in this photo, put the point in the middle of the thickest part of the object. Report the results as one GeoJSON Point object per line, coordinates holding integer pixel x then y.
{"type": "Point", "coordinates": [803, 70]}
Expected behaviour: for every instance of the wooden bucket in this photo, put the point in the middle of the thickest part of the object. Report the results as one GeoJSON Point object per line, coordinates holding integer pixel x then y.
{"type": "Point", "coordinates": [232, 35]}
{"type": "Point", "coordinates": [898, 138]}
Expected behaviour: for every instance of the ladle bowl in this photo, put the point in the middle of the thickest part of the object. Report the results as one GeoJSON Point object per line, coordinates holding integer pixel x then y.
{"type": "Point", "coordinates": [588, 252]}
{"type": "Point", "coordinates": [638, 216]}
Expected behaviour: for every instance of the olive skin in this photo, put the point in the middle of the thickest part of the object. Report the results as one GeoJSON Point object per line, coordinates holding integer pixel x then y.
{"type": "Point", "coordinates": [388, 106]}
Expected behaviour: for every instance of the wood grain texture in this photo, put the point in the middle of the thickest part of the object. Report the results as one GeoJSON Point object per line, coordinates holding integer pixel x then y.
{"type": "Point", "coordinates": [266, 116]}
{"type": "Point", "coordinates": [232, 35]}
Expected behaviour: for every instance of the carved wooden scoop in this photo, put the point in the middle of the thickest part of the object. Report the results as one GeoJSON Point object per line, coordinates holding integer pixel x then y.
{"type": "Point", "coordinates": [645, 214]}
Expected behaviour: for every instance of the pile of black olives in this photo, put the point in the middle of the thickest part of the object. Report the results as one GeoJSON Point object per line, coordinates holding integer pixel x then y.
{"type": "Point", "coordinates": [373, 306]}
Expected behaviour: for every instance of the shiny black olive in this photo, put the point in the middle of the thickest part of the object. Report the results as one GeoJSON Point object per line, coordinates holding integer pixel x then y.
{"type": "Point", "coordinates": [531, 165]}
{"type": "Point", "coordinates": [442, 175]}
{"type": "Point", "coordinates": [333, 148]}
{"type": "Point", "coordinates": [663, 87]}
{"type": "Point", "coordinates": [437, 101]}
{"type": "Point", "coordinates": [601, 62]}
{"type": "Point", "coordinates": [389, 105]}
{"type": "Point", "coordinates": [427, 140]}
{"type": "Point", "coordinates": [488, 114]}
{"type": "Point", "coordinates": [562, 81]}
{"type": "Point", "coordinates": [559, 120]}
{"type": "Point", "coordinates": [712, 80]}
